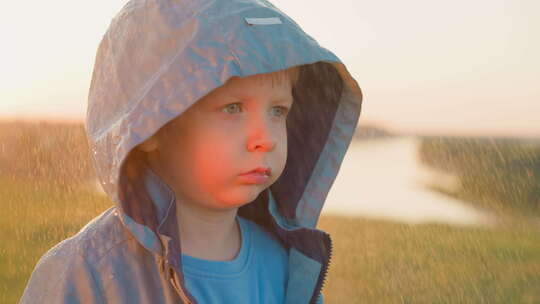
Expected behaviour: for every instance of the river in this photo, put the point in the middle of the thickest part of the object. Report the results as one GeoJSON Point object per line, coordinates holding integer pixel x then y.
{"type": "Point", "coordinates": [384, 179]}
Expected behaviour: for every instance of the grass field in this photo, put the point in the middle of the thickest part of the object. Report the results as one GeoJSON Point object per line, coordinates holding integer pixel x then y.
{"type": "Point", "coordinates": [384, 262]}
{"type": "Point", "coordinates": [373, 261]}
{"type": "Point", "coordinates": [36, 217]}
{"type": "Point", "coordinates": [502, 175]}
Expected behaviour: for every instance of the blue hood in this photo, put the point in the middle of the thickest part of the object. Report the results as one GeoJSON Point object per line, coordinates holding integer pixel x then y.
{"type": "Point", "coordinates": [158, 58]}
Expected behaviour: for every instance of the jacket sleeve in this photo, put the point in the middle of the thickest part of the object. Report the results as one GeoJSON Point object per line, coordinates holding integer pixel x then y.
{"type": "Point", "coordinates": [62, 276]}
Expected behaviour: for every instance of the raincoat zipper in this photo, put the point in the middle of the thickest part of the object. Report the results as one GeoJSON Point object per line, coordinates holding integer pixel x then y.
{"type": "Point", "coordinates": [178, 288]}
{"type": "Point", "coordinates": [326, 264]}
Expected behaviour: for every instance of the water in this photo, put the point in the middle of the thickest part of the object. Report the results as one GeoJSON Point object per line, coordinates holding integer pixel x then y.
{"type": "Point", "coordinates": [384, 179]}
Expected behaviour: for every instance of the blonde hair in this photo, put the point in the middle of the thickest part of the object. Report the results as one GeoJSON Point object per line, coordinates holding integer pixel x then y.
{"type": "Point", "coordinates": [291, 74]}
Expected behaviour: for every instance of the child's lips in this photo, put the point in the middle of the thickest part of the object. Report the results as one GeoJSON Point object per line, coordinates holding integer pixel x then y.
{"type": "Point", "coordinates": [258, 175]}
{"type": "Point", "coordinates": [260, 170]}
{"type": "Point", "coordinates": [254, 178]}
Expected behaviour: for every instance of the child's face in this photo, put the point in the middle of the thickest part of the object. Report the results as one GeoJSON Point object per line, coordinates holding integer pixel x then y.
{"type": "Point", "coordinates": [234, 129]}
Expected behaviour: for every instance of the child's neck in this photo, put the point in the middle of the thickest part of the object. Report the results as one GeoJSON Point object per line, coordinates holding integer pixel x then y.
{"type": "Point", "coordinates": [207, 234]}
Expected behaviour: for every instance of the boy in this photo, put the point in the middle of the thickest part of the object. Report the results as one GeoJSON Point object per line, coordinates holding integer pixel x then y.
{"type": "Point", "coordinates": [217, 129]}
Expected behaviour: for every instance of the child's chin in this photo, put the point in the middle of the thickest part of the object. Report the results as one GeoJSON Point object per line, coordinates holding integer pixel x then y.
{"type": "Point", "coordinates": [242, 197]}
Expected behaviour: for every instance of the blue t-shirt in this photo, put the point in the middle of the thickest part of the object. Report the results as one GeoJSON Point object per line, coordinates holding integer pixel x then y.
{"type": "Point", "coordinates": [258, 274]}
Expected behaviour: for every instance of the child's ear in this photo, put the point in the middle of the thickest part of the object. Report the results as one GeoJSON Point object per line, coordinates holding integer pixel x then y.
{"type": "Point", "coordinates": [149, 145]}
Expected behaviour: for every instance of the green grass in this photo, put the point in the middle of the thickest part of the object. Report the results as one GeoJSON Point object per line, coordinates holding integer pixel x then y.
{"type": "Point", "coordinates": [36, 217]}
{"type": "Point", "coordinates": [500, 174]}
{"type": "Point", "coordinates": [385, 262]}
{"type": "Point", "coordinates": [373, 261]}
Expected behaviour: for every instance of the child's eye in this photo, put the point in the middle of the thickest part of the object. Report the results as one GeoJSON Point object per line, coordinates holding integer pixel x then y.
{"type": "Point", "coordinates": [232, 104]}
{"type": "Point", "coordinates": [283, 110]}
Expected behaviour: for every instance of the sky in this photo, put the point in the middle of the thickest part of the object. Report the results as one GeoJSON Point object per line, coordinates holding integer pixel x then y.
{"type": "Point", "coordinates": [424, 66]}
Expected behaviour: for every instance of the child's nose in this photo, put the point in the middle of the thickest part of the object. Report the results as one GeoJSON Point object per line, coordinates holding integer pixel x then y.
{"type": "Point", "coordinates": [261, 136]}
{"type": "Point", "coordinates": [261, 144]}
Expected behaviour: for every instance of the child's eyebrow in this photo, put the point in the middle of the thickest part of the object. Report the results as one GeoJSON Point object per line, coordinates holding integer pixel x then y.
{"type": "Point", "coordinates": [279, 99]}
{"type": "Point", "coordinates": [284, 99]}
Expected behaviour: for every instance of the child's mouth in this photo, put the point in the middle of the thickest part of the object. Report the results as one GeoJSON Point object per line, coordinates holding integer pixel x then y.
{"type": "Point", "coordinates": [254, 178]}
{"type": "Point", "coordinates": [258, 175]}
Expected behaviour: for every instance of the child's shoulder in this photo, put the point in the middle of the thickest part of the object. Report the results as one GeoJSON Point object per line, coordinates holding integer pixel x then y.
{"type": "Point", "coordinates": [92, 241]}
{"type": "Point", "coordinates": [96, 238]}
{"type": "Point", "coordinates": [73, 262]}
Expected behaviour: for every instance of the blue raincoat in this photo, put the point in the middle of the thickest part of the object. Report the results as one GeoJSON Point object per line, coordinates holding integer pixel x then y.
{"type": "Point", "coordinates": [157, 58]}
